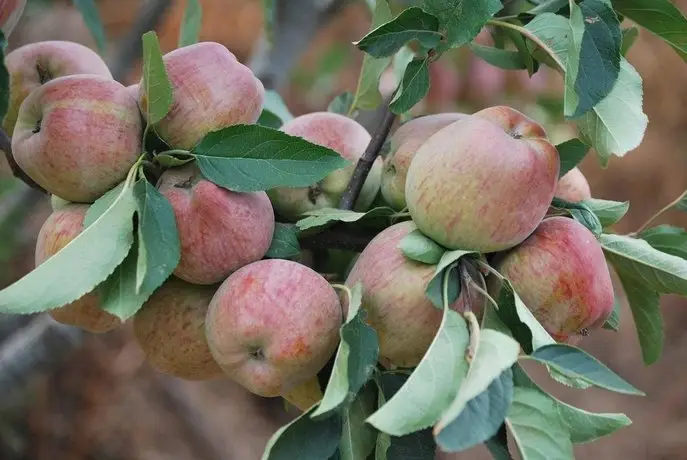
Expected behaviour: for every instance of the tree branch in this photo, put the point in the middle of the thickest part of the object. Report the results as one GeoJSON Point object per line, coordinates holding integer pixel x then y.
{"type": "Point", "coordinates": [6, 146]}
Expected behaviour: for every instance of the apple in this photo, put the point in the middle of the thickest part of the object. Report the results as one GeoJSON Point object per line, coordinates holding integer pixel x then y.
{"type": "Point", "coordinates": [273, 325]}
{"type": "Point", "coordinates": [170, 329]}
{"type": "Point", "coordinates": [404, 143]}
{"type": "Point", "coordinates": [78, 136]}
{"type": "Point", "coordinates": [61, 227]}
{"type": "Point", "coordinates": [211, 90]}
{"type": "Point", "coordinates": [484, 182]}
{"type": "Point", "coordinates": [10, 12]}
{"type": "Point", "coordinates": [220, 231]}
{"type": "Point", "coordinates": [349, 139]}
{"type": "Point", "coordinates": [58, 203]}
{"type": "Point", "coordinates": [31, 66]}
{"type": "Point", "coordinates": [561, 275]}
{"type": "Point", "coordinates": [573, 187]}
{"type": "Point", "coordinates": [394, 297]}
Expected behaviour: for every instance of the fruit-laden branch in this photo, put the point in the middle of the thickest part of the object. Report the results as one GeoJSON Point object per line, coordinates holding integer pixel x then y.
{"type": "Point", "coordinates": [336, 239]}
{"type": "Point", "coordinates": [6, 146]}
{"type": "Point", "coordinates": [362, 168]}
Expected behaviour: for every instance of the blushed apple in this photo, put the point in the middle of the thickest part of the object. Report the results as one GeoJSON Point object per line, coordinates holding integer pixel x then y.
{"type": "Point", "coordinates": [10, 12]}
{"type": "Point", "coordinates": [573, 187]}
{"type": "Point", "coordinates": [484, 182]}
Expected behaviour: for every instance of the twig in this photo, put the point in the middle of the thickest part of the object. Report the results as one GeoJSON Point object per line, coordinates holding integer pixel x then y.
{"type": "Point", "coordinates": [659, 213]}
{"type": "Point", "coordinates": [6, 146]}
{"type": "Point", "coordinates": [336, 239]}
{"type": "Point", "coordinates": [362, 169]}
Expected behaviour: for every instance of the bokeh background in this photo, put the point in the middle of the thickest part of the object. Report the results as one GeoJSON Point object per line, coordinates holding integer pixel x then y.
{"type": "Point", "coordinates": [102, 401]}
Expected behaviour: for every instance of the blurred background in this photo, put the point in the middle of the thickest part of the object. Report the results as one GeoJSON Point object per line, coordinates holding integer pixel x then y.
{"type": "Point", "coordinates": [95, 397]}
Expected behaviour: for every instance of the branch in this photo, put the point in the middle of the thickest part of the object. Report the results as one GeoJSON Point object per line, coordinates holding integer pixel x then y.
{"type": "Point", "coordinates": [362, 169]}
{"type": "Point", "coordinates": [6, 146]}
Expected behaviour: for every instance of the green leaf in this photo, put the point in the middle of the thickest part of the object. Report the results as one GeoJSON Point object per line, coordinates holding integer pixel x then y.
{"type": "Point", "coordinates": [156, 84]}
{"type": "Point", "coordinates": [4, 80]}
{"type": "Point", "coordinates": [284, 242]}
{"type": "Point", "coordinates": [91, 17]}
{"type": "Point", "coordinates": [630, 36]}
{"type": "Point", "coordinates": [575, 362]}
{"type": "Point", "coordinates": [421, 248]}
{"type": "Point", "coordinates": [668, 239]}
{"type": "Point", "coordinates": [305, 438]}
{"type": "Point", "coordinates": [613, 321]}
{"type": "Point", "coordinates": [413, 88]}
{"type": "Point", "coordinates": [660, 17]}
{"type": "Point", "coordinates": [325, 216]}
{"type": "Point", "coordinates": [275, 105]}
{"type": "Point", "coordinates": [252, 158]}
{"type": "Point", "coordinates": [159, 249]}
{"type": "Point", "coordinates": [358, 439]}
{"type": "Point", "coordinates": [341, 104]}
{"type": "Point", "coordinates": [531, 64]}
{"type": "Point", "coordinates": [608, 212]}
{"type": "Point", "coordinates": [503, 59]}
{"type": "Point", "coordinates": [412, 24]}
{"type": "Point", "coordinates": [190, 23]}
{"type": "Point", "coordinates": [418, 445]}
{"type": "Point", "coordinates": [355, 358]}
{"type": "Point", "coordinates": [461, 20]}
{"type": "Point", "coordinates": [548, 6]}
{"type": "Point", "coordinates": [80, 266]}
{"type": "Point", "coordinates": [269, 120]}
{"type": "Point", "coordinates": [537, 428]}
{"type": "Point", "coordinates": [269, 13]}
{"type": "Point", "coordinates": [571, 152]}
{"type": "Point", "coordinates": [444, 365]}
{"type": "Point", "coordinates": [581, 213]}
{"type": "Point", "coordinates": [167, 160]}
{"type": "Point", "coordinates": [434, 290]}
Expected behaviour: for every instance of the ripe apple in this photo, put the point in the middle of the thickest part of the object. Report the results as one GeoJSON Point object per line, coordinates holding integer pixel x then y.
{"type": "Point", "coordinates": [404, 144]}
{"type": "Point", "coordinates": [78, 136]}
{"type": "Point", "coordinates": [10, 12]}
{"type": "Point", "coordinates": [220, 231]}
{"type": "Point", "coordinates": [573, 187]}
{"type": "Point", "coordinates": [61, 227]}
{"type": "Point", "coordinates": [484, 182]}
{"type": "Point", "coordinates": [349, 139]}
{"type": "Point", "coordinates": [58, 203]}
{"type": "Point", "coordinates": [394, 297]}
{"type": "Point", "coordinates": [170, 329]}
{"type": "Point", "coordinates": [273, 325]}
{"type": "Point", "coordinates": [211, 90]}
{"type": "Point", "coordinates": [35, 64]}
{"type": "Point", "coordinates": [561, 274]}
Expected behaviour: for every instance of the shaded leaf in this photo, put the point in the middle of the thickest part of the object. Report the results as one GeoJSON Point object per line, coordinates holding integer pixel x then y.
{"type": "Point", "coordinates": [421, 248]}
{"type": "Point", "coordinates": [413, 88]}
{"type": "Point", "coordinates": [156, 84]}
{"type": "Point", "coordinates": [284, 242]}
{"type": "Point", "coordinates": [190, 23]}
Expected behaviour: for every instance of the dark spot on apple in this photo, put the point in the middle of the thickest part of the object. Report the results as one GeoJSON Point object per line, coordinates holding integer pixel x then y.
{"type": "Point", "coordinates": [44, 74]}
{"type": "Point", "coordinates": [257, 354]}
{"type": "Point", "coordinates": [37, 128]}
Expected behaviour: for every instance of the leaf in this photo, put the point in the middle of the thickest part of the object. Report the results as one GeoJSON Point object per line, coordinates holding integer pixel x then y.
{"type": "Point", "coordinates": [252, 158]}
{"type": "Point", "coordinates": [269, 13]}
{"type": "Point", "coordinates": [413, 88]}
{"type": "Point", "coordinates": [660, 17]}
{"type": "Point", "coordinates": [581, 213]}
{"type": "Point", "coordinates": [613, 321]}
{"type": "Point", "coordinates": [434, 290]}
{"type": "Point", "coordinates": [668, 239]}
{"type": "Point", "coordinates": [432, 385]}
{"type": "Point", "coordinates": [190, 23]}
{"type": "Point", "coordinates": [284, 242]}
{"type": "Point", "coordinates": [358, 439]}
{"type": "Point", "coordinates": [461, 20]}
{"type": "Point", "coordinates": [538, 430]}
{"type": "Point", "coordinates": [355, 358]}
{"type": "Point", "coordinates": [4, 79]}
{"type": "Point", "coordinates": [575, 362]}
{"type": "Point", "coordinates": [324, 216]}
{"type": "Point", "coordinates": [91, 17]}
{"type": "Point", "coordinates": [608, 212]}
{"type": "Point", "coordinates": [172, 160]}
{"type": "Point", "coordinates": [630, 36]}
{"type": "Point", "coordinates": [571, 152]}
{"type": "Point", "coordinates": [503, 59]}
{"type": "Point", "coordinates": [341, 104]}
{"type": "Point", "coordinates": [412, 24]}
{"type": "Point", "coordinates": [269, 120]}
{"type": "Point", "coordinates": [418, 445]}
{"type": "Point", "coordinates": [156, 84]}
{"type": "Point", "coordinates": [158, 239]}
{"type": "Point", "coordinates": [548, 6]}
{"type": "Point", "coordinates": [305, 438]}
{"type": "Point", "coordinates": [275, 106]}
{"type": "Point", "coordinates": [80, 266]}
{"type": "Point", "coordinates": [421, 248]}
{"type": "Point", "coordinates": [498, 444]}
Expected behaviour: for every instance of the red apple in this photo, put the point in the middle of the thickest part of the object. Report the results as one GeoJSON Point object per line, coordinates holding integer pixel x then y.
{"type": "Point", "coordinates": [573, 187]}
{"type": "Point", "coordinates": [10, 12]}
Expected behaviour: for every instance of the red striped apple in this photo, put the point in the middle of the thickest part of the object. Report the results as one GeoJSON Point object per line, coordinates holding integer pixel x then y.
{"type": "Point", "coordinates": [573, 187]}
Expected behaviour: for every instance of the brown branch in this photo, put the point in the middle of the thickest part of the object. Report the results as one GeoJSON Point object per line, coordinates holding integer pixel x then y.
{"type": "Point", "coordinates": [362, 169]}
{"type": "Point", "coordinates": [6, 146]}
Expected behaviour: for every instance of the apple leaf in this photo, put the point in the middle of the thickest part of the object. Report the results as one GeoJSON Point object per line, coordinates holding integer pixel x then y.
{"type": "Point", "coordinates": [269, 8]}
{"type": "Point", "coordinates": [661, 17]}
{"type": "Point", "coordinates": [421, 248]}
{"type": "Point", "coordinates": [613, 321]}
{"type": "Point", "coordinates": [190, 23]}
{"type": "Point", "coordinates": [413, 88]}
{"type": "Point", "coordinates": [608, 212]}
{"type": "Point", "coordinates": [325, 216]}
{"type": "Point", "coordinates": [630, 35]}
{"type": "Point", "coordinates": [172, 160]}
{"type": "Point", "coordinates": [284, 242]}
{"type": "Point", "coordinates": [571, 152]}
{"type": "Point", "coordinates": [412, 24]}
{"type": "Point", "coordinates": [269, 120]}
{"type": "Point", "coordinates": [102, 204]}
{"type": "Point", "coordinates": [4, 79]}
{"type": "Point", "coordinates": [575, 362]}
{"type": "Point", "coordinates": [581, 213]}
{"type": "Point", "coordinates": [91, 17]}
{"type": "Point", "coordinates": [358, 438]}
{"type": "Point", "coordinates": [305, 438]}
{"type": "Point", "coordinates": [156, 84]}
{"type": "Point", "coordinates": [355, 358]}
{"type": "Point", "coordinates": [448, 265]}
{"type": "Point", "coordinates": [275, 112]}
{"type": "Point", "coordinates": [503, 59]}
{"type": "Point", "coordinates": [548, 6]}
{"type": "Point", "coordinates": [252, 158]}
{"type": "Point", "coordinates": [461, 20]}
{"type": "Point", "coordinates": [668, 239]}
{"type": "Point", "coordinates": [498, 444]}
{"type": "Point", "coordinates": [342, 103]}
{"type": "Point", "coordinates": [80, 266]}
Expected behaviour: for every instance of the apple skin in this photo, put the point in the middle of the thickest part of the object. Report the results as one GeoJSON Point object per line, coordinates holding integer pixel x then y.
{"type": "Point", "coordinates": [561, 275]}
{"type": "Point", "coordinates": [61, 227]}
{"type": "Point", "coordinates": [57, 203]}
{"type": "Point", "coordinates": [394, 297]}
{"type": "Point", "coordinates": [404, 144]}
{"type": "Point", "coordinates": [349, 139]}
{"type": "Point", "coordinates": [10, 12]}
{"type": "Point", "coordinates": [220, 231]}
{"type": "Point", "coordinates": [483, 183]}
{"type": "Point", "coordinates": [31, 66]}
{"type": "Point", "coordinates": [573, 187]}
{"type": "Point", "coordinates": [211, 90]}
{"type": "Point", "coordinates": [273, 325]}
{"type": "Point", "coordinates": [78, 136]}
{"type": "Point", "coordinates": [170, 329]}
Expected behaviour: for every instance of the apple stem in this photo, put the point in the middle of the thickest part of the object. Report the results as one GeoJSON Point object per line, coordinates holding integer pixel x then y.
{"type": "Point", "coordinates": [670, 205]}
{"type": "Point", "coordinates": [489, 268]}
{"type": "Point", "coordinates": [362, 168]}
{"type": "Point", "coordinates": [473, 326]}
{"type": "Point", "coordinates": [6, 146]}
